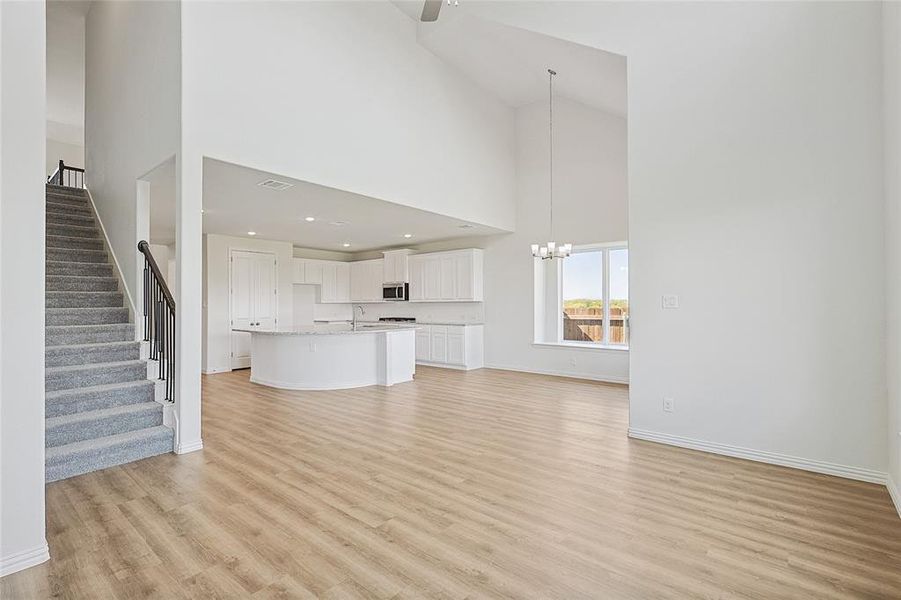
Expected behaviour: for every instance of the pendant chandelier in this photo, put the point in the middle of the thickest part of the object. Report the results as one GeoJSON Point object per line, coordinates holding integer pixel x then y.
{"type": "Point", "coordinates": [551, 249]}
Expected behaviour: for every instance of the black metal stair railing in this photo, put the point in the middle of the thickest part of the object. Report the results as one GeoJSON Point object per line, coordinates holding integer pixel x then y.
{"type": "Point", "coordinates": [159, 320]}
{"type": "Point", "coordinates": [67, 176]}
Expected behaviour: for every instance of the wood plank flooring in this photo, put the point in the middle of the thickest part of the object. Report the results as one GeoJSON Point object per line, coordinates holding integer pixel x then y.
{"type": "Point", "coordinates": [484, 484]}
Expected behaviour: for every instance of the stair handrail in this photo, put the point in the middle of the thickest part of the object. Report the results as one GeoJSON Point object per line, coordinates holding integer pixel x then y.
{"type": "Point", "coordinates": [66, 175]}
{"type": "Point", "coordinates": [159, 320]}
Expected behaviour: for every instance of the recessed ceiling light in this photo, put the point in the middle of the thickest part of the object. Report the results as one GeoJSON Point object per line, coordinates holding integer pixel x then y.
{"type": "Point", "coordinates": [201, 211]}
{"type": "Point", "coordinates": [309, 219]}
{"type": "Point", "coordinates": [466, 226]}
{"type": "Point", "coordinates": [251, 233]}
{"type": "Point", "coordinates": [408, 235]}
{"type": "Point", "coordinates": [338, 223]}
{"type": "Point", "coordinates": [346, 244]}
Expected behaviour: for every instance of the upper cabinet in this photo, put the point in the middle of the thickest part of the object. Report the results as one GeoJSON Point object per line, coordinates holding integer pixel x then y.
{"type": "Point", "coordinates": [332, 276]}
{"type": "Point", "coordinates": [335, 282]}
{"type": "Point", "coordinates": [395, 266]}
{"type": "Point", "coordinates": [366, 278]}
{"type": "Point", "coordinates": [454, 276]}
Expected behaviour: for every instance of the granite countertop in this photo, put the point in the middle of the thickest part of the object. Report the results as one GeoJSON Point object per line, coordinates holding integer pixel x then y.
{"type": "Point", "coordinates": [450, 323]}
{"type": "Point", "coordinates": [330, 329]}
{"type": "Point", "coordinates": [425, 322]}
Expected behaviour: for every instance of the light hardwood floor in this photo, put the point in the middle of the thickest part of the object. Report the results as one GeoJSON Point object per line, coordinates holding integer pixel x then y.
{"type": "Point", "coordinates": [486, 484]}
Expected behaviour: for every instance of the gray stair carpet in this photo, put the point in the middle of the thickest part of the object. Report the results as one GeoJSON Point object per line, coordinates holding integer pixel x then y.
{"type": "Point", "coordinates": [100, 410]}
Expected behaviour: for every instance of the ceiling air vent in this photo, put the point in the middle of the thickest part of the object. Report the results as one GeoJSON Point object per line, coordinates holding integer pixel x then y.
{"type": "Point", "coordinates": [274, 184]}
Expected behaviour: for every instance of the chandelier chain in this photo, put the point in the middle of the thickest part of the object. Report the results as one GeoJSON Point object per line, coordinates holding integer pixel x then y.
{"type": "Point", "coordinates": [550, 88]}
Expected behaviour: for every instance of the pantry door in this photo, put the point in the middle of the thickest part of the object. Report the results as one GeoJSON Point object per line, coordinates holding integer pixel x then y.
{"type": "Point", "coordinates": [253, 304]}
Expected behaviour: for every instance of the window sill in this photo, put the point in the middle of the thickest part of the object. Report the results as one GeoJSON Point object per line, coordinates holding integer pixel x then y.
{"type": "Point", "coordinates": [578, 346]}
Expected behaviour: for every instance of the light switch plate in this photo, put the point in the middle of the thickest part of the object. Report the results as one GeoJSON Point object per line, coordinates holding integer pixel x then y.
{"type": "Point", "coordinates": [670, 301]}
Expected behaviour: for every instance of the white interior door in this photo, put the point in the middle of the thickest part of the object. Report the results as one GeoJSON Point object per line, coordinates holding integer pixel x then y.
{"type": "Point", "coordinates": [253, 302]}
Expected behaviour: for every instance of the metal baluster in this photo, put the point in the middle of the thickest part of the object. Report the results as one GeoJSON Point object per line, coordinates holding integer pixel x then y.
{"type": "Point", "coordinates": [162, 341]}
{"type": "Point", "coordinates": [146, 292]}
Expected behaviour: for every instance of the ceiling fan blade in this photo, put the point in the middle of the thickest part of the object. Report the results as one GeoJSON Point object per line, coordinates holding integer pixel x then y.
{"type": "Point", "coordinates": [430, 10]}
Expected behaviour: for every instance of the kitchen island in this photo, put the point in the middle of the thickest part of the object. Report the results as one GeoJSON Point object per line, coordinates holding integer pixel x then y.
{"type": "Point", "coordinates": [332, 357]}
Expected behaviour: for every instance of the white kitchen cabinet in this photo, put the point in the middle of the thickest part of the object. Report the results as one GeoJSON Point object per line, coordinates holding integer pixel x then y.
{"type": "Point", "coordinates": [423, 344]}
{"type": "Point", "coordinates": [438, 344]}
{"type": "Point", "coordinates": [395, 266]}
{"type": "Point", "coordinates": [366, 280]}
{"type": "Point", "coordinates": [456, 346]}
{"type": "Point", "coordinates": [454, 276]}
{"type": "Point", "coordinates": [416, 280]}
{"type": "Point", "coordinates": [451, 346]}
{"type": "Point", "coordinates": [335, 282]}
{"type": "Point", "coordinates": [307, 271]}
{"type": "Point", "coordinates": [298, 268]}
{"type": "Point", "coordinates": [333, 277]}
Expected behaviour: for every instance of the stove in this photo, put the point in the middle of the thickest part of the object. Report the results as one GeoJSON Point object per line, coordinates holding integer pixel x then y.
{"type": "Point", "coordinates": [397, 319]}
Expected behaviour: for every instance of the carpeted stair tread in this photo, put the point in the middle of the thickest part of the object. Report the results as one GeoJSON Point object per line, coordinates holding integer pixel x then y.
{"type": "Point", "coordinates": [74, 243]}
{"type": "Point", "coordinates": [90, 455]}
{"type": "Point", "coordinates": [76, 376]}
{"type": "Point", "coordinates": [90, 269]}
{"type": "Point", "coordinates": [62, 402]}
{"type": "Point", "coordinates": [64, 200]}
{"type": "Point", "coordinates": [76, 256]}
{"type": "Point", "coordinates": [82, 299]}
{"type": "Point", "coordinates": [77, 317]}
{"type": "Point", "coordinates": [72, 230]}
{"type": "Point", "coordinates": [97, 352]}
{"type": "Point", "coordinates": [54, 188]}
{"type": "Point", "coordinates": [72, 218]}
{"type": "Point", "coordinates": [81, 283]}
{"type": "Point", "coordinates": [63, 208]}
{"type": "Point", "coordinates": [103, 422]}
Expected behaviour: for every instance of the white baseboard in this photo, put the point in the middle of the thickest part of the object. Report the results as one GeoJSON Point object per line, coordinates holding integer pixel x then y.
{"type": "Point", "coordinates": [773, 458]}
{"type": "Point", "coordinates": [22, 560]}
{"type": "Point", "coordinates": [426, 363]}
{"type": "Point", "coordinates": [894, 492]}
{"type": "Point", "coordinates": [189, 447]}
{"type": "Point", "coordinates": [572, 375]}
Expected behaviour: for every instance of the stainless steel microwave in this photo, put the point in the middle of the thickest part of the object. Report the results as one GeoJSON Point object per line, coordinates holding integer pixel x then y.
{"type": "Point", "coordinates": [397, 291]}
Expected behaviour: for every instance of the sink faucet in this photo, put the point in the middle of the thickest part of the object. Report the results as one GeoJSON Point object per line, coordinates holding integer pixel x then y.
{"type": "Point", "coordinates": [362, 312]}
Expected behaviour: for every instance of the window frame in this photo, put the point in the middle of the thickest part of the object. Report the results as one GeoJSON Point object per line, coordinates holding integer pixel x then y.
{"type": "Point", "coordinates": [605, 249]}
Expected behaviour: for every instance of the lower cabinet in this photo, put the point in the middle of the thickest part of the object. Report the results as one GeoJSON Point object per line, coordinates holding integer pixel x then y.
{"type": "Point", "coordinates": [453, 346]}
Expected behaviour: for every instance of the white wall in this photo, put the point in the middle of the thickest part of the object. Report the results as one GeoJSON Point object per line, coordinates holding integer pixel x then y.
{"type": "Point", "coordinates": [755, 186]}
{"type": "Point", "coordinates": [22, 138]}
{"type": "Point", "coordinates": [132, 111]}
{"type": "Point", "coordinates": [133, 124]}
{"type": "Point", "coordinates": [65, 86]}
{"type": "Point", "coordinates": [892, 149]}
{"type": "Point", "coordinates": [590, 206]}
{"type": "Point", "coordinates": [71, 154]}
{"type": "Point", "coordinates": [342, 95]}
{"type": "Point", "coordinates": [217, 328]}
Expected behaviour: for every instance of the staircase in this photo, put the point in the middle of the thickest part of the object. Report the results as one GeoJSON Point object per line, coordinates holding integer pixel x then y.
{"type": "Point", "coordinates": [100, 408]}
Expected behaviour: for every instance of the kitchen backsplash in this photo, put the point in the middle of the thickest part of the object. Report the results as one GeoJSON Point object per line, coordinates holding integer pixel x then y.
{"type": "Point", "coordinates": [306, 309]}
{"type": "Point", "coordinates": [463, 312]}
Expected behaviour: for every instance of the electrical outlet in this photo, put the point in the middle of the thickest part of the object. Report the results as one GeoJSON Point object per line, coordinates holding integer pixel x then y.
{"type": "Point", "coordinates": [670, 301]}
{"type": "Point", "coordinates": [669, 405]}
{"type": "Point", "coordinates": [572, 362]}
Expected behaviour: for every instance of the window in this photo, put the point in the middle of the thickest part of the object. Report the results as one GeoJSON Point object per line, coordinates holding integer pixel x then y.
{"type": "Point", "coordinates": [594, 298]}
